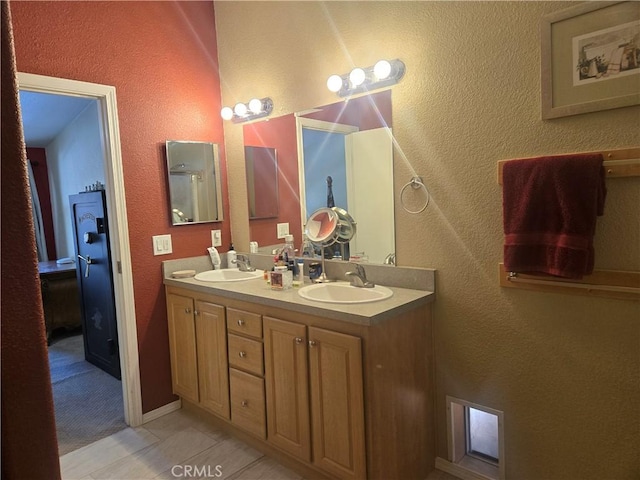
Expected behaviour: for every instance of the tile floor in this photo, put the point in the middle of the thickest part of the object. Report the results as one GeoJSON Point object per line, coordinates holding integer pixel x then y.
{"type": "Point", "coordinates": [167, 447]}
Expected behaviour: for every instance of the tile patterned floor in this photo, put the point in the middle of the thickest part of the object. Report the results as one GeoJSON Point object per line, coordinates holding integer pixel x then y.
{"type": "Point", "coordinates": [167, 447]}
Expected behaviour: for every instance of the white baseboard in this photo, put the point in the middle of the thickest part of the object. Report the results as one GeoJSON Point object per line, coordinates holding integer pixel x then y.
{"type": "Point", "coordinates": [458, 471]}
{"type": "Point", "coordinates": [160, 412]}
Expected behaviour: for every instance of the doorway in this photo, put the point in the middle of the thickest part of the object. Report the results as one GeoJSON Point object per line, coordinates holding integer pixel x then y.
{"type": "Point", "coordinates": [118, 233]}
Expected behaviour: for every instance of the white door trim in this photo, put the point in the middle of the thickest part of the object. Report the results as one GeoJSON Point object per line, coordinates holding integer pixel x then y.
{"type": "Point", "coordinates": [118, 227]}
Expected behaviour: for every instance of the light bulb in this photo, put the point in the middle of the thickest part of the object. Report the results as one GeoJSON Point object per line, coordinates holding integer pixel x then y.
{"type": "Point", "coordinates": [334, 83]}
{"type": "Point", "coordinates": [357, 77]}
{"type": "Point", "coordinates": [240, 109]}
{"type": "Point", "coordinates": [226, 113]}
{"type": "Point", "coordinates": [255, 105]}
{"type": "Point", "coordinates": [382, 69]}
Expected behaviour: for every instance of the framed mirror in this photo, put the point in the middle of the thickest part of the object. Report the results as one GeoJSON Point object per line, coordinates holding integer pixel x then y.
{"type": "Point", "coordinates": [193, 172]}
{"type": "Point", "coordinates": [262, 181]}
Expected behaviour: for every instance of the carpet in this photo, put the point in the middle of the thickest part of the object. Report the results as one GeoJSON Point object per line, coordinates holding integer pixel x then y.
{"type": "Point", "coordinates": [88, 402]}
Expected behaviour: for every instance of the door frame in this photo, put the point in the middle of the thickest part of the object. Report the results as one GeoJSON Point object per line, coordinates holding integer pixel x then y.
{"type": "Point", "coordinates": [118, 226]}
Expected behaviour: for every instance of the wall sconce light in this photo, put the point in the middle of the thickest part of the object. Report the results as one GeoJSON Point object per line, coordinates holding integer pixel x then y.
{"type": "Point", "coordinates": [383, 74]}
{"type": "Point", "coordinates": [243, 112]}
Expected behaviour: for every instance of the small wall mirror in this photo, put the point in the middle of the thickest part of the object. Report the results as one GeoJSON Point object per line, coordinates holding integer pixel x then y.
{"type": "Point", "coordinates": [195, 193]}
{"type": "Point", "coordinates": [262, 181]}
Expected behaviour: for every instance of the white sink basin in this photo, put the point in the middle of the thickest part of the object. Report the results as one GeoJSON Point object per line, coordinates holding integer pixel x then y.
{"type": "Point", "coordinates": [343, 292]}
{"type": "Point", "coordinates": [227, 275]}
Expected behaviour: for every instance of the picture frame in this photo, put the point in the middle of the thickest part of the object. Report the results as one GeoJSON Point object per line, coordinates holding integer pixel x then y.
{"type": "Point", "coordinates": [590, 58]}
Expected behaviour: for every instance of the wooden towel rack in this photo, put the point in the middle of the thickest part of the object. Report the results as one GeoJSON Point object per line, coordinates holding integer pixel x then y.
{"type": "Point", "coordinates": [622, 285]}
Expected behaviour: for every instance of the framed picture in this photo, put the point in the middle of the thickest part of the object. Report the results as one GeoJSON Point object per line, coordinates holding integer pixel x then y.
{"type": "Point", "coordinates": [590, 58]}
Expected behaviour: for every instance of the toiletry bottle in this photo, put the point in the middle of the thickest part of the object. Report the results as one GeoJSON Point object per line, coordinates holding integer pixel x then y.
{"type": "Point", "coordinates": [298, 274]}
{"type": "Point", "coordinates": [215, 257]}
{"type": "Point", "coordinates": [289, 253]}
{"type": "Point", "coordinates": [306, 249]}
{"type": "Point", "coordinates": [232, 257]}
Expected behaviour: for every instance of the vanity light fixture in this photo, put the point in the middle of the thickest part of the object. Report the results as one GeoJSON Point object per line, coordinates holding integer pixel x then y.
{"type": "Point", "coordinates": [243, 112]}
{"type": "Point", "coordinates": [383, 74]}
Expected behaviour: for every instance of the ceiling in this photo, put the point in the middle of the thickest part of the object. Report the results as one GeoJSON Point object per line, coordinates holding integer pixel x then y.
{"type": "Point", "coordinates": [45, 115]}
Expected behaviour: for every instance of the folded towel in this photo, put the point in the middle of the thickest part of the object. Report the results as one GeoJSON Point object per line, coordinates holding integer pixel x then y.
{"type": "Point", "coordinates": [549, 207]}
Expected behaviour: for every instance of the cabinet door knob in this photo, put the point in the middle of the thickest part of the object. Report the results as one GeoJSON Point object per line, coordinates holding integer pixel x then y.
{"type": "Point", "coordinates": [312, 343]}
{"type": "Point", "coordinates": [299, 340]}
{"type": "Point", "coordinates": [242, 354]}
{"type": "Point", "coordinates": [187, 310]}
{"type": "Point", "coordinates": [196, 312]}
{"type": "Point", "coordinates": [244, 403]}
{"type": "Point", "coordinates": [240, 322]}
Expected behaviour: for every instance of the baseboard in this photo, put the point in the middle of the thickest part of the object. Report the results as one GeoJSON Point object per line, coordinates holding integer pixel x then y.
{"type": "Point", "coordinates": [162, 411]}
{"type": "Point", "coordinates": [458, 471]}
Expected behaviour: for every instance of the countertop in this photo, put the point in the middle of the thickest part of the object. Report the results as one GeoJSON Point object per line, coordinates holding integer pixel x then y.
{"type": "Point", "coordinates": [258, 291]}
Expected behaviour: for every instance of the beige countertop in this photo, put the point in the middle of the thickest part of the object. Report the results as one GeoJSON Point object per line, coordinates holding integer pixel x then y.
{"type": "Point", "coordinates": [259, 291]}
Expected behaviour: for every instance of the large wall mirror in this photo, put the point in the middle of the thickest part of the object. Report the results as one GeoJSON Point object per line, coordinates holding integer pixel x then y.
{"type": "Point", "coordinates": [195, 193]}
{"type": "Point", "coordinates": [349, 142]}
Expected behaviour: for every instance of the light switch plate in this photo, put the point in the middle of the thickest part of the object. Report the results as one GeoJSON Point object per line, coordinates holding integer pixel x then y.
{"type": "Point", "coordinates": [282, 230]}
{"type": "Point", "coordinates": [216, 238]}
{"type": "Point", "coordinates": [162, 245]}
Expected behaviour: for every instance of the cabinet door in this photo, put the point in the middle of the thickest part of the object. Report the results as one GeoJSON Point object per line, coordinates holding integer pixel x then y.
{"type": "Point", "coordinates": [287, 386]}
{"type": "Point", "coordinates": [213, 373]}
{"type": "Point", "coordinates": [182, 346]}
{"type": "Point", "coordinates": [335, 375]}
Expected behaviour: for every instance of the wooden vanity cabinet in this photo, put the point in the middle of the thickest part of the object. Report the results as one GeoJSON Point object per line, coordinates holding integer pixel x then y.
{"type": "Point", "coordinates": [330, 398]}
{"type": "Point", "coordinates": [198, 349]}
{"type": "Point", "coordinates": [300, 360]}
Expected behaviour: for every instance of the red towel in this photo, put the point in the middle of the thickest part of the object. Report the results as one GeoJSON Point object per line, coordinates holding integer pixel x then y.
{"type": "Point", "coordinates": [549, 207]}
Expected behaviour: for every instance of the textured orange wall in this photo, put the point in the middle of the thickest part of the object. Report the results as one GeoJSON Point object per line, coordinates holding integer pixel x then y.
{"type": "Point", "coordinates": [161, 57]}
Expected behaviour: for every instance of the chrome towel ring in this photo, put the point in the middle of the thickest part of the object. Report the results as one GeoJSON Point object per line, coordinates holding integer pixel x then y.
{"type": "Point", "coordinates": [415, 183]}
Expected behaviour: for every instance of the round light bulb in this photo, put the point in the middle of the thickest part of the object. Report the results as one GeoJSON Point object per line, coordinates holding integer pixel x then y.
{"type": "Point", "coordinates": [382, 69]}
{"type": "Point", "coordinates": [255, 105]}
{"type": "Point", "coordinates": [334, 83]}
{"type": "Point", "coordinates": [226, 113]}
{"type": "Point", "coordinates": [357, 77]}
{"type": "Point", "coordinates": [240, 109]}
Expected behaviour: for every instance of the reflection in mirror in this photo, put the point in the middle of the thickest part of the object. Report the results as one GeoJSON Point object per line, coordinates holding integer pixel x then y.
{"type": "Point", "coordinates": [349, 141]}
{"type": "Point", "coordinates": [351, 144]}
{"type": "Point", "coordinates": [193, 171]}
{"type": "Point", "coordinates": [262, 181]}
{"type": "Point", "coordinates": [279, 134]}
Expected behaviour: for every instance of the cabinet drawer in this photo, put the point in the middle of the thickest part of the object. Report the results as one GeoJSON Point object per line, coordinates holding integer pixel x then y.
{"type": "Point", "coordinates": [247, 402]}
{"type": "Point", "coordinates": [246, 354]}
{"type": "Point", "coordinates": [246, 323]}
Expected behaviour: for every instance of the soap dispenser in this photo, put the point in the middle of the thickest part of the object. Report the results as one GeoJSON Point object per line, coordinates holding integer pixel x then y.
{"type": "Point", "coordinates": [232, 257]}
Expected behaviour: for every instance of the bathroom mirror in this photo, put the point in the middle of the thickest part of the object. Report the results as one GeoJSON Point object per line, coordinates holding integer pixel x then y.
{"type": "Point", "coordinates": [193, 171]}
{"type": "Point", "coordinates": [351, 142]}
{"type": "Point", "coordinates": [262, 181]}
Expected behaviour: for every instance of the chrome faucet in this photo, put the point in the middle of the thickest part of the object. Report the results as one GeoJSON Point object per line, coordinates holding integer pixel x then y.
{"type": "Point", "coordinates": [358, 278]}
{"type": "Point", "coordinates": [244, 265]}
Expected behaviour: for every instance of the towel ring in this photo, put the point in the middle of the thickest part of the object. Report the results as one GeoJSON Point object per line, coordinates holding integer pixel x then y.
{"type": "Point", "coordinates": [415, 183]}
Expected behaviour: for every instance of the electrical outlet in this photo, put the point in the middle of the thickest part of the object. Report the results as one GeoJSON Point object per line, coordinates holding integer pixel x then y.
{"type": "Point", "coordinates": [162, 245]}
{"type": "Point", "coordinates": [282, 230]}
{"type": "Point", "coordinates": [216, 238]}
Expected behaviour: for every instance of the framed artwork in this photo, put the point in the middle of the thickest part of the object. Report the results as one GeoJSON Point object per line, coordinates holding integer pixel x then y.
{"type": "Point", "coordinates": [590, 58]}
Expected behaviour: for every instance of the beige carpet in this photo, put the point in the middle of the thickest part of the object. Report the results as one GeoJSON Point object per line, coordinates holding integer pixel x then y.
{"type": "Point", "coordinates": [88, 402]}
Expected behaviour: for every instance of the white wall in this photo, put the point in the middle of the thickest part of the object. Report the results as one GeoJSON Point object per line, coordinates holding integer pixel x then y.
{"type": "Point", "coordinates": [75, 159]}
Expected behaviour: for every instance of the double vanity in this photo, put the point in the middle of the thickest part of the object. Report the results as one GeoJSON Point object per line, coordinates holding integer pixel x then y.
{"type": "Point", "coordinates": [332, 390]}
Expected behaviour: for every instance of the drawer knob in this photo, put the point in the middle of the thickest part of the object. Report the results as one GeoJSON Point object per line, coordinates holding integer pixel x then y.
{"type": "Point", "coordinates": [240, 322]}
{"type": "Point", "coordinates": [299, 340]}
{"type": "Point", "coordinates": [312, 343]}
{"type": "Point", "coordinates": [244, 403]}
{"type": "Point", "coordinates": [187, 310]}
{"type": "Point", "coordinates": [242, 354]}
